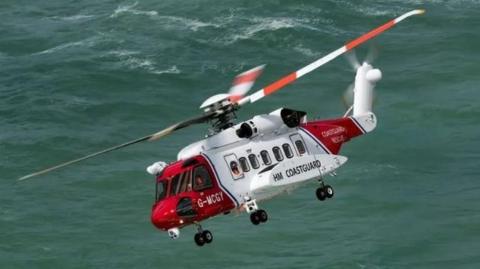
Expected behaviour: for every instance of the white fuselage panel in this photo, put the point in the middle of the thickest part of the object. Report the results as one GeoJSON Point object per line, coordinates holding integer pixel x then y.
{"type": "Point", "coordinates": [238, 161]}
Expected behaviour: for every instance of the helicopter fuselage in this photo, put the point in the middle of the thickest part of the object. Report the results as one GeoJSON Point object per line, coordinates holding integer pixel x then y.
{"type": "Point", "coordinates": [275, 158]}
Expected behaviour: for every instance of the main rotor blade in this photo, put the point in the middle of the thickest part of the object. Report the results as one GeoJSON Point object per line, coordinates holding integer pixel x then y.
{"type": "Point", "coordinates": [277, 85]}
{"type": "Point", "coordinates": [151, 137]}
{"type": "Point", "coordinates": [244, 82]}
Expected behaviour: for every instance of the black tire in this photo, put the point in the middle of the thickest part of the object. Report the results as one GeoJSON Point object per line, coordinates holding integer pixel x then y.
{"type": "Point", "coordinates": [255, 218]}
{"type": "Point", "coordinates": [329, 191]}
{"type": "Point", "coordinates": [263, 216]}
{"type": "Point", "coordinates": [207, 236]}
{"type": "Point", "coordinates": [199, 239]}
{"type": "Point", "coordinates": [321, 194]}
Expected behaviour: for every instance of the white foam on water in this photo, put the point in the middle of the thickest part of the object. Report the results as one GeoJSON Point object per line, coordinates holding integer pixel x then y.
{"type": "Point", "coordinates": [191, 24]}
{"type": "Point", "coordinates": [135, 63]}
{"type": "Point", "coordinates": [121, 9]}
{"type": "Point", "coordinates": [171, 70]}
{"type": "Point", "coordinates": [89, 42]}
{"type": "Point", "coordinates": [167, 21]}
{"type": "Point", "coordinates": [269, 24]}
{"type": "Point", "coordinates": [370, 11]}
{"type": "Point", "coordinates": [123, 53]}
{"type": "Point", "coordinates": [306, 51]}
{"type": "Point", "coordinates": [74, 18]}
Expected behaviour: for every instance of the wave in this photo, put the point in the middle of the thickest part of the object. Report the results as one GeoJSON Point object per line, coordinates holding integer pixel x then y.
{"type": "Point", "coordinates": [190, 24]}
{"type": "Point", "coordinates": [123, 53]}
{"type": "Point", "coordinates": [127, 59]}
{"type": "Point", "coordinates": [130, 9]}
{"type": "Point", "coordinates": [306, 51]}
{"type": "Point", "coordinates": [167, 21]}
{"type": "Point", "coordinates": [74, 18]}
{"type": "Point", "coordinates": [171, 70]}
{"type": "Point", "coordinates": [269, 24]}
{"type": "Point", "coordinates": [89, 42]}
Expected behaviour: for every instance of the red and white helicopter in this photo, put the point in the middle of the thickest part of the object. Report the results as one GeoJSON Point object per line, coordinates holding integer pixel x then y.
{"type": "Point", "coordinates": [238, 165]}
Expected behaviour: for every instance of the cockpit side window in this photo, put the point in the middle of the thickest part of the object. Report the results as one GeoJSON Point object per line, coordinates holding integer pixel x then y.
{"type": "Point", "coordinates": [186, 183]}
{"type": "Point", "coordinates": [174, 185]}
{"type": "Point", "coordinates": [201, 178]}
{"type": "Point", "coordinates": [181, 183]}
{"type": "Point", "coordinates": [161, 190]}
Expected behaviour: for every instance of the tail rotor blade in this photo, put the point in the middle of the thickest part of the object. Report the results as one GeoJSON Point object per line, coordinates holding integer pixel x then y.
{"type": "Point", "coordinates": [373, 53]}
{"type": "Point", "coordinates": [352, 59]}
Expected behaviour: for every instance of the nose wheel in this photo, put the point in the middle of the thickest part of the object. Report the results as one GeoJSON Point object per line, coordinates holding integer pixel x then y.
{"type": "Point", "coordinates": [202, 237]}
{"type": "Point", "coordinates": [325, 191]}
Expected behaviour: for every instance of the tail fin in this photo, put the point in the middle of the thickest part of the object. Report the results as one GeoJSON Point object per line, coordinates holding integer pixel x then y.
{"type": "Point", "coordinates": [365, 81]}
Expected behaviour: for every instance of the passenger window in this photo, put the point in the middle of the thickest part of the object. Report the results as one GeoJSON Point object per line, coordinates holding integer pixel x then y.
{"type": "Point", "coordinates": [288, 150]}
{"type": "Point", "coordinates": [300, 147]}
{"type": "Point", "coordinates": [244, 164]}
{"type": "Point", "coordinates": [265, 157]}
{"type": "Point", "coordinates": [277, 153]}
{"type": "Point", "coordinates": [253, 161]}
{"type": "Point", "coordinates": [234, 168]}
{"type": "Point", "coordinates": [201, 178]}
{"type": "Point", "coordinates": [232, 163]}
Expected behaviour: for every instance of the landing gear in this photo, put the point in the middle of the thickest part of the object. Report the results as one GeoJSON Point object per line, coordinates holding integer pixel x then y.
{"type": "Point", "coordinates": [207, 235]}
{"type": "Point", "coordinates": [259, 216]}
{"type": "Point", "coordinates": [199, 239]}
{"type": "Point", "coordinates": [321, 193]}
{"type": "Point", "coordinates": [324, 191]}
{"type": "Point", "coordinates": [202, 237]}
{"type": "Point", "coordinates": [329, 191]}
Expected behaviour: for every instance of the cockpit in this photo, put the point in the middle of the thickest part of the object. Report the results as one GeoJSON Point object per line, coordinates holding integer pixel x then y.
{"type": "Point", "coordinates": [192, 178]}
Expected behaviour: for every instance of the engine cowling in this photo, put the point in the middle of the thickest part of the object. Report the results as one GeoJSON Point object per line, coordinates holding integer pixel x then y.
{"type": "Point", "coordinates": [266, 124]}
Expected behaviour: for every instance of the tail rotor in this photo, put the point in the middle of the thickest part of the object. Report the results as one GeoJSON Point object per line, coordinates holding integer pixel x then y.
{"type": "Point", "coordinates": [365, 80]}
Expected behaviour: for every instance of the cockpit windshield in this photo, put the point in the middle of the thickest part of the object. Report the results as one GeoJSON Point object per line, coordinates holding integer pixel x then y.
{"type": "Point", "coordinates": [161, 190]}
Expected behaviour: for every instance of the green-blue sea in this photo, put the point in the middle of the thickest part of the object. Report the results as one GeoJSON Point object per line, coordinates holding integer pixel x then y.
{"type": "Point", "coordinates": [79, 76]}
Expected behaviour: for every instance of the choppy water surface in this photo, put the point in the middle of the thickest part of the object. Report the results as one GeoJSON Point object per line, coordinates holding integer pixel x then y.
{"type": "Point", "coordinates": [77, 76]}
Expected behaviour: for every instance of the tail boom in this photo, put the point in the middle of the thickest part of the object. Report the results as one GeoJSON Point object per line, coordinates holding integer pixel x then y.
{"type": "Point", "coordinates": [331, 134]}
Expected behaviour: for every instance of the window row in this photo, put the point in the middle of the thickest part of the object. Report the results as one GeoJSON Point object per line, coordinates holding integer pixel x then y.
{"type": "Point", "coordinates": [278, 154]}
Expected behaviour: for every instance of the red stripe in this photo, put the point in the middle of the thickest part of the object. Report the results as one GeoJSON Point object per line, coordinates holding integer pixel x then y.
{"type": "Point", "coordinates": [248, 77]}
{"type": "Point", "coordinates": [367, 36]}
{"type": "Point", "coordinates": [235, 98]}
{"type": "Point", "coordinates": [280, 83]}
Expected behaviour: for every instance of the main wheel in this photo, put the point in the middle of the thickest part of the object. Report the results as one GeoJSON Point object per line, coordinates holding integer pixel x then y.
{"type": "Point", "coordinates": [329, 191]}
{"type": "Point", "coordinates": [199, 239]}
{"type": "Point", "coordinates": [321, 194]}
{"type": "Point", "coordinates": [207, 236]}
{"type": "Point", "coordinates": [255, 218]}
{"type": "Point", "coordinates": [263, 216]}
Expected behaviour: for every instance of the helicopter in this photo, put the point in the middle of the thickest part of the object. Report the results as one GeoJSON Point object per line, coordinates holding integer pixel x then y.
{"type": "Point", "coordinates": [238, 165]}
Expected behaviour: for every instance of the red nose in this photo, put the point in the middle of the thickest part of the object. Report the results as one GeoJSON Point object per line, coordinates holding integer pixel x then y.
{"type": "Point", "coordinates": [162, 216]}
